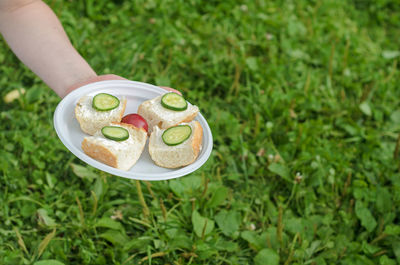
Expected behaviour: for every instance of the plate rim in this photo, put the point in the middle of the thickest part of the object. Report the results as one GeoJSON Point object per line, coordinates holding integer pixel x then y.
{"type": "Point", "coordinates": [81, 91]}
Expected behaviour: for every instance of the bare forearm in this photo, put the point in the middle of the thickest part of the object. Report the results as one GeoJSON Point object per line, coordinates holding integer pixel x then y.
{"type": "Point", "coordinates": [36, 36]}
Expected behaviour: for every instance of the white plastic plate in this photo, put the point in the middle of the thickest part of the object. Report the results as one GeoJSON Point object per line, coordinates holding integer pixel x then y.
{"type": "Point", "coordinates": [71, 135]}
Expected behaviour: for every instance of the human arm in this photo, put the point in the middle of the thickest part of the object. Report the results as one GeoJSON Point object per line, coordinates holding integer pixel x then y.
{"type": "Point", "coordinates": [37, 37]}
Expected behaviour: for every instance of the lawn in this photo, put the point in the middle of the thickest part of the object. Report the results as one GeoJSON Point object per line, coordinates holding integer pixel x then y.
{"type": "Point", "coordinates": [303, 101]}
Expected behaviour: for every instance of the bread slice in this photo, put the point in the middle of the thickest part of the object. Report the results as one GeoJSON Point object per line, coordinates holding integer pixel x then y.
{"type": "Point", "coordinates": [122, 155]}
{"type": "Point", "coordinates": [178, 155]}
{"type": "Point", "coordinates": [92, 120]}
{"type": "Point", "coordinates": [156, 115]}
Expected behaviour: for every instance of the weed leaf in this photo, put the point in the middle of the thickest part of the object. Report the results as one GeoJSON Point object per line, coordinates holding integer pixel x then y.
{"type": "Point", "coordinates": [45, 218]}
{"type": "Point", "coordinates": [83, 172]}
{"type": "Point", "coordinates": [365, 216]}
{"type": "Point", "coordinates": [139, 243]}
{"type": "Point", "coordinates": [114, 237]}
{"type": "Point", "coordinates": [201, 224]}
{"type": "Point", "coordinates": [393, 230]}
{"type": "Point", "coordinates": [383, 200]}
{"type": "Point", "coordinates": [396, 250]}
{"type": "Point", "coordinates": [228, 222]}
{"type": "Point", "coordinates": [256, 241]}
{"type": "Point", "coordinates": [280, 170]}
{"type": "Point", "coordinates": [218, 197]}
{"type": "Point", "coordinates": [266, 256]}
{"type": "Point", "coordinates": [365, 108]}
{"type": "Point", "coordinates": [107, 222]}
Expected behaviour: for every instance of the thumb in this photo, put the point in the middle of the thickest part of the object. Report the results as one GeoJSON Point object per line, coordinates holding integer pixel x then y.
{"type": "Point", "coordinates": [171, 90]}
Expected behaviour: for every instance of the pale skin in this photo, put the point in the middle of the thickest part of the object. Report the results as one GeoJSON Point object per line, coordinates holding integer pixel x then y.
{"type": "Point", "coordinates": [38, 39]}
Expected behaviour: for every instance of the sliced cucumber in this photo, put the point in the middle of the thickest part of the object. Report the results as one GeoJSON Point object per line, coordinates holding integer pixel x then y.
{"type": "Point", "coordinates": [174, 101]}
{"type": "Point", "coordinates": [105, 102]}
{"type": "Point", "coordinates": [115, 133]}
{"type": "Point", "coordinates": [176, 135]}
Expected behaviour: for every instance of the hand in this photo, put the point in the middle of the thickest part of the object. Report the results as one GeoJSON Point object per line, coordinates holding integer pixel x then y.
{"type": "Point", "coordinates": [171, 90]}
{"type": "Point", "coordinates": [110, 77]}
{"type": "Point", "coordinates": [93, 80]}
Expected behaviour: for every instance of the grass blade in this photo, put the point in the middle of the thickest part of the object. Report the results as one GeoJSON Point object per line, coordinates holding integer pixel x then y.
{"type": "Point", "coordinates": [45, 242]}
{"type": "Point", "coordinates": [20, 241]}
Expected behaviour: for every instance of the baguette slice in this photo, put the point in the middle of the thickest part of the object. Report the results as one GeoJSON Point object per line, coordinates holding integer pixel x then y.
{"type": "Point", "coordinates": [122, 155]}
{"type": "Point", "coordinates": [92, 120]}
{"type": "Point", "coordinates": [178, 155]}
{"type": "Point", "coordinates": [156, 115]}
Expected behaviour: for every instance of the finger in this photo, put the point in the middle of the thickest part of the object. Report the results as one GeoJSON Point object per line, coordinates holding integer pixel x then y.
{"type": "Point", "coordinates": [171, 90]}
{"type": "Point", "coordinates": [95, 79]}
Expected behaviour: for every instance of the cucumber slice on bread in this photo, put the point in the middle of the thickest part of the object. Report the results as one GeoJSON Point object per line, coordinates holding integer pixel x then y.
{"type": "Point", "coordinates": [105, 102]}
{"type": "Point", "coordinates": [115, 133]}
{"type": "Point", "coordinates": [174, 101]}
{"type": "Point", "coordinates": [176, 135]}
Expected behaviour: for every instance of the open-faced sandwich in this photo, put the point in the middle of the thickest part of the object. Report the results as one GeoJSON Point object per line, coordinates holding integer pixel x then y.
{"type": "Point", "coordinates": [176, 146]}
{"type": "Point", "coordinates": [118, 145]}
{"type": "Point", "coordinates": [93, 113]}
{"type": "Point", "coordinates": [175, 140]}
{"type": "Point", "coordinates": [167, 110]}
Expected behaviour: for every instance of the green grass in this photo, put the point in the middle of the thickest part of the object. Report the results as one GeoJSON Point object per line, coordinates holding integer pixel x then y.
{"type": "Point", "coordinates": [303, 101]}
